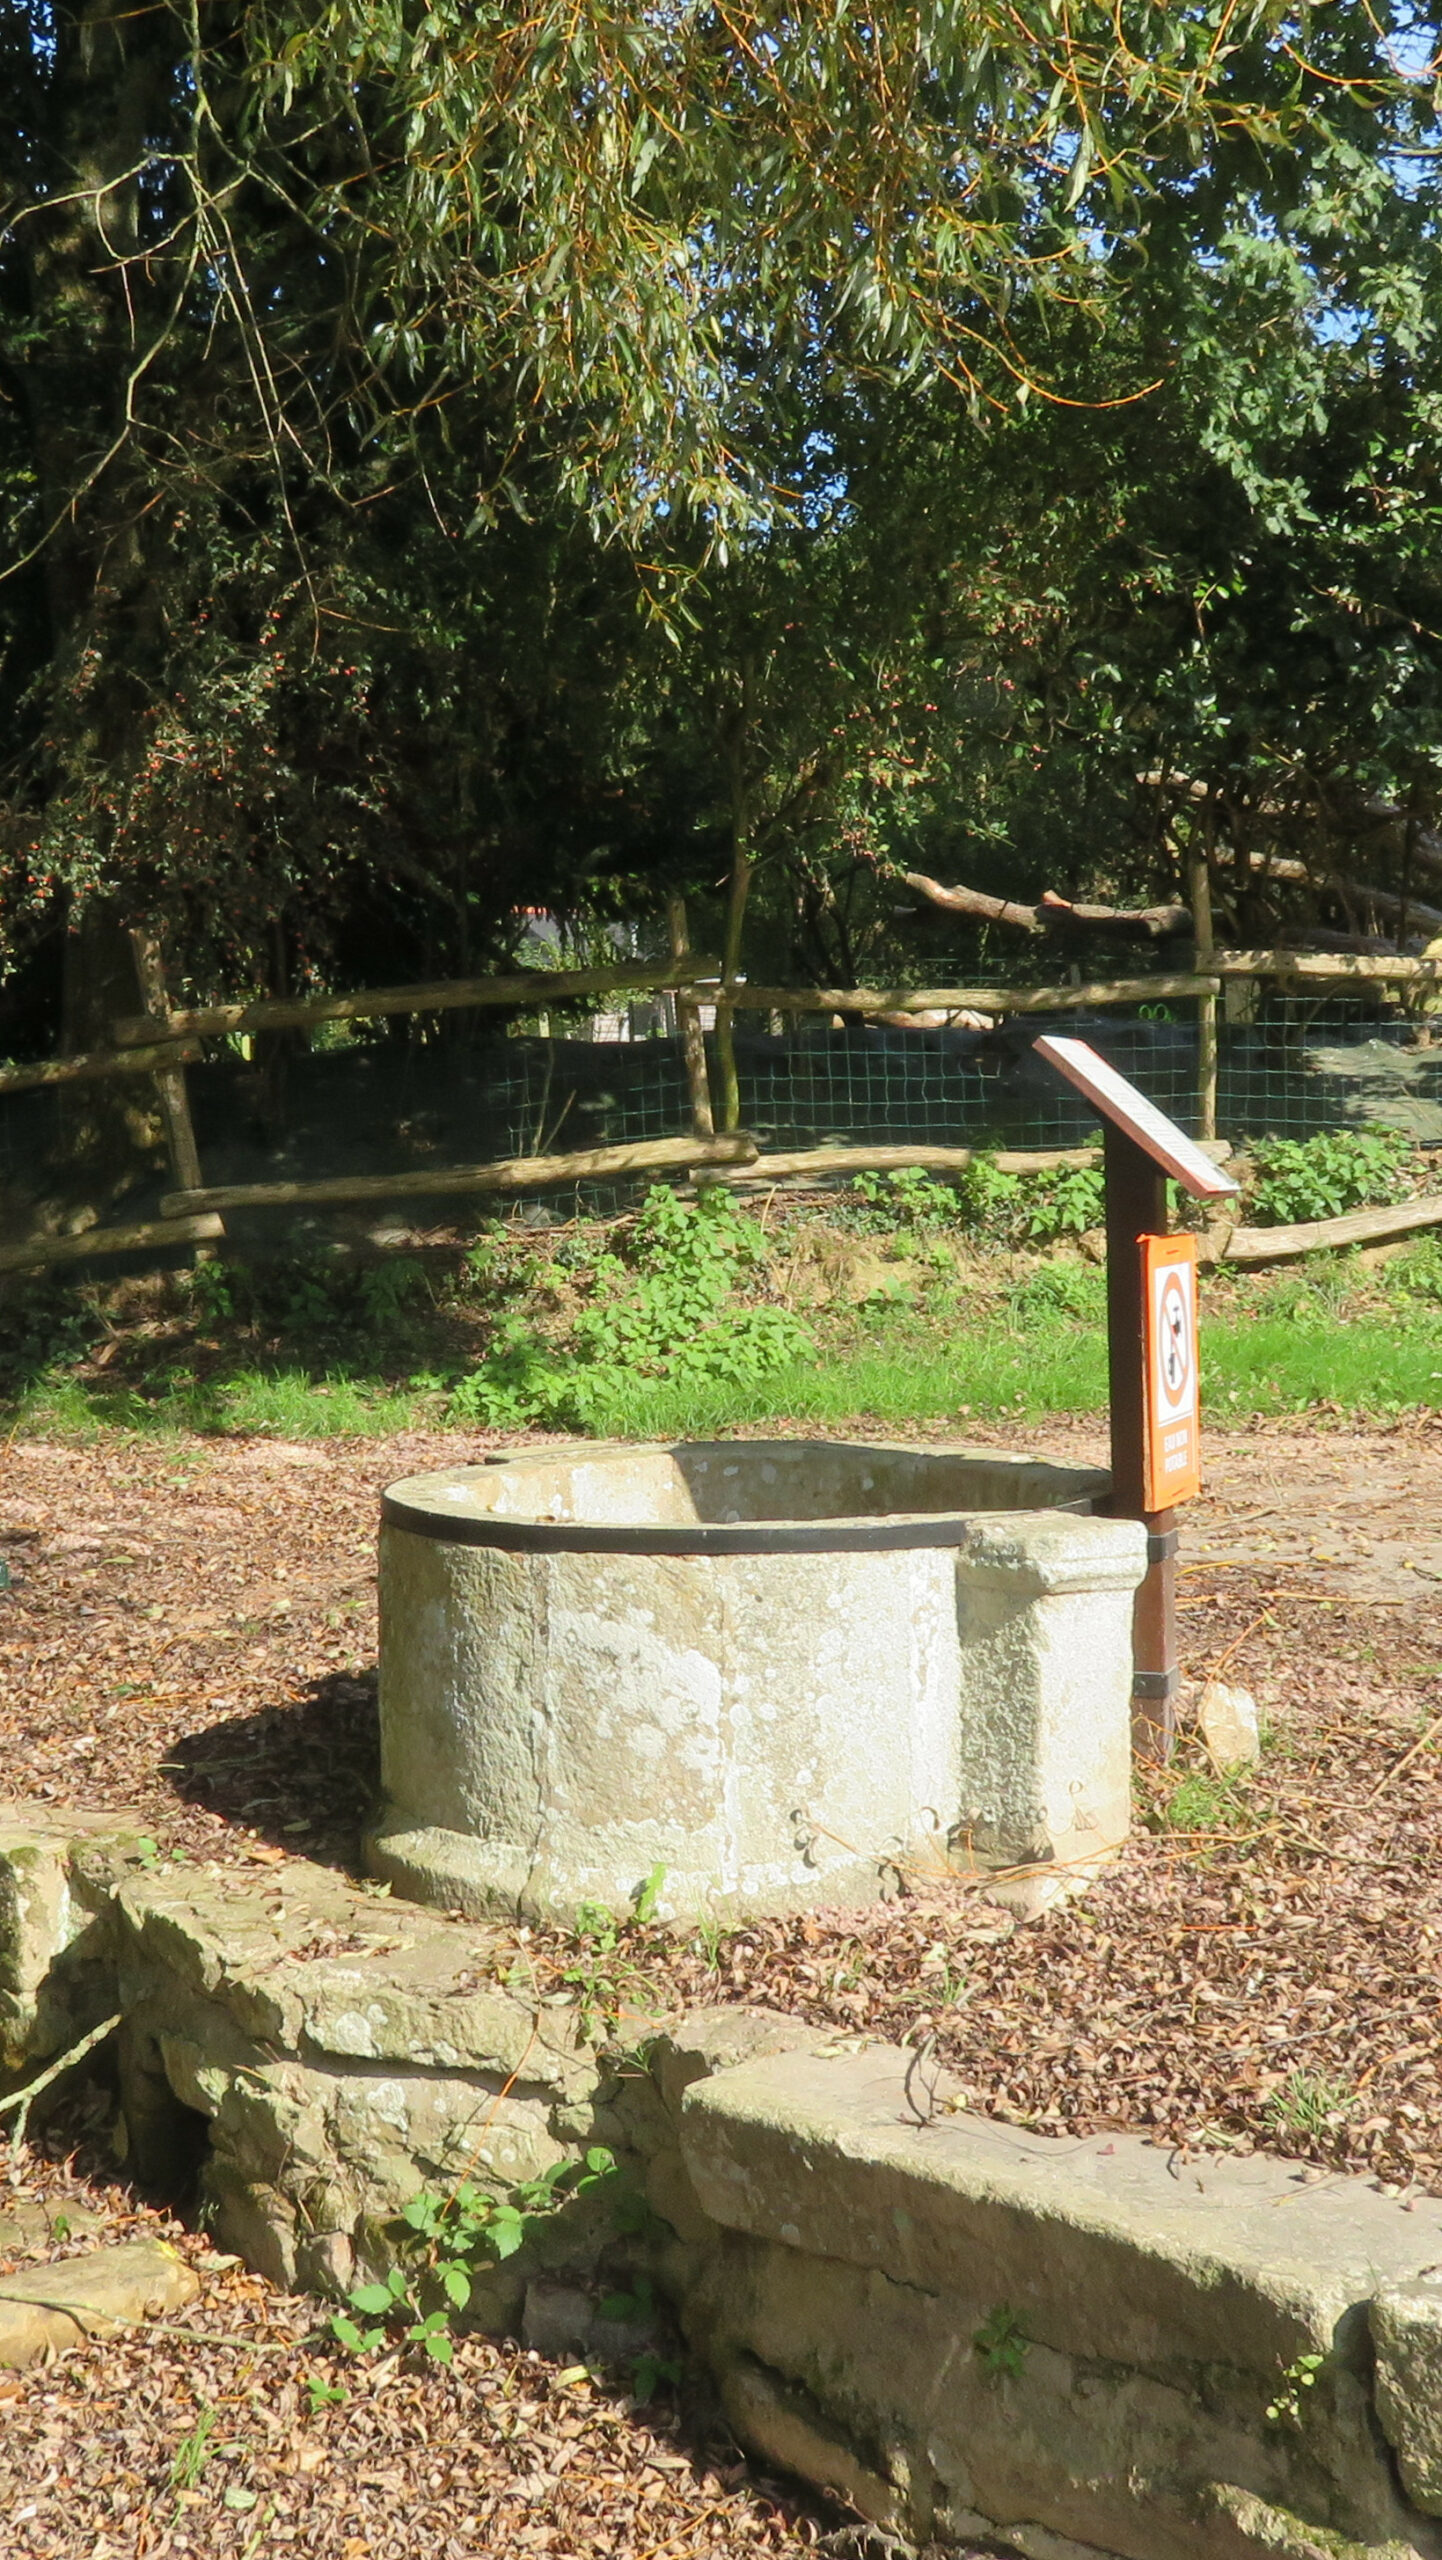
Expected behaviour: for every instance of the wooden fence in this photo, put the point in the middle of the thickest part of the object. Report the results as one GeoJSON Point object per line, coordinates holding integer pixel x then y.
{"type": "Point", "coordinates": [162, 1042]}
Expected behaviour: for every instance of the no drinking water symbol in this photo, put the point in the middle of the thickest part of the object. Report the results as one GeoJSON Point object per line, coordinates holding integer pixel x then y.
{"type": "Point", "coordinates": [1174, 1342]}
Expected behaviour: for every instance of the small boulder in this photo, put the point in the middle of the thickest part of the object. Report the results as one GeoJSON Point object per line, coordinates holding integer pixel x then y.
{"type": "Point", "coordinates": [1230, 1726]}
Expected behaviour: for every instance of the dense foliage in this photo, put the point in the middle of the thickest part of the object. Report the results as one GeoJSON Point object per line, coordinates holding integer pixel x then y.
{"type": "Point", "coordinates": [456, 459]}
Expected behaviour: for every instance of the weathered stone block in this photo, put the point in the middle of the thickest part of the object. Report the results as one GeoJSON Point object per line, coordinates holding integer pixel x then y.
{"type": "Point", "coordinates": [1099, 2245]}
{"type": "Point", "coordinates": [1062, 2337]}
{"type": "Point", "coordinates": [1407, 2335]}
{"type": "Point", "coordinates": [55, 1871]}
{"type": "Point", "coordinates": [61, 2305]}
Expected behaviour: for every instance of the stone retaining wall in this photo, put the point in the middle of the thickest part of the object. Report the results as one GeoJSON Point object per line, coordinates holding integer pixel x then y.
{"type": "Point", "coordinates": [1088, 2350]}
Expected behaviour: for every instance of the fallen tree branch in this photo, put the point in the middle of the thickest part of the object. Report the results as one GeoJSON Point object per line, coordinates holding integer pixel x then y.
{"type": "Point", "coordinates": [974, 902]}
{"type": "Point", "coordinates": [24, 2099]}
{"type": "Point", "coordinates": [1051, 912]}
{"type": "Point", "coordinates": [1163, 923]}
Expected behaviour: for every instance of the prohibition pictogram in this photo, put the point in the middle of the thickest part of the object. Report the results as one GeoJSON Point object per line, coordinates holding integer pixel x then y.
{"type": "Point", "coordinates": [1172, 1398]}
{"type": "Point", "coordinates": [1175, 1362]}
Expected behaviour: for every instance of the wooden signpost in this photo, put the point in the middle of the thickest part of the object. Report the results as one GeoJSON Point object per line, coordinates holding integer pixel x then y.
{"type": "Point", "coordinates": [1152, 1355]}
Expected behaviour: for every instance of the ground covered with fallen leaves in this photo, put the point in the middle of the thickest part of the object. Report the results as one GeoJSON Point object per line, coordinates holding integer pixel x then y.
{"type": "Point", "coordinates": [242, 2429]}
{"type": "Point", "coordinates": [189, 1631]}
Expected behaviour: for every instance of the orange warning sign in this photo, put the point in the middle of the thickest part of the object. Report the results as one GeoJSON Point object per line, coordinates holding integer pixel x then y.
{"type": "Point", "coordinates": [1174, 1412]}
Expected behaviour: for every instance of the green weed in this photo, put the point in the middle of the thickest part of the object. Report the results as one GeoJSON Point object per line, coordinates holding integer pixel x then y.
{"type": "Point", "coordinates": [600, 1971]}
{"type": "Point", "coordinates": [1030, 1208]}
{"type": "Point", "coordinates": [1297, 2377]}
{"type": "Point", "coordinates": [1061, 1289]}
{"type": "Point", "coordinates": [665, 1312]}
{"type": "Point", "coordinates": [1296, 1179]}
{"type": "Point", "coordinates": [447, 2238]}
{"type": "Point", "coordinates": [1307, 2102]}
{"type": "Point", "coordinates": [193, 2451]}
{"type": "Point", "coordinates": [1199, 1803]}
{"type": "Point", "coordinates": [880, 1203]}
{"type": "Point", "coordinates": [1001, 2344]}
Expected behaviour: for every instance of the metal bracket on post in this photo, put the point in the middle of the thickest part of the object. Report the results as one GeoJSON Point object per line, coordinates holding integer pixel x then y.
{"type": "Point", "coordinates": [1140, 1147]}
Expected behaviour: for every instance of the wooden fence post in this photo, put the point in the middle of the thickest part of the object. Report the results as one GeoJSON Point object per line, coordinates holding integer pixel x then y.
{"type": "Point", "coordinates": [170, 1084]}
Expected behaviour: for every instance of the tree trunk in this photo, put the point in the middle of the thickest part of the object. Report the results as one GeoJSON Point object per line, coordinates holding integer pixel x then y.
{"type": "Point", "coordinates": [109, 1128]}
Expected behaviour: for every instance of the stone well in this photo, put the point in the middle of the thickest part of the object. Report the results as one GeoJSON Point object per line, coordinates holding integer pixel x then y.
{"type": "Point", "coordinates": [779, 1670]}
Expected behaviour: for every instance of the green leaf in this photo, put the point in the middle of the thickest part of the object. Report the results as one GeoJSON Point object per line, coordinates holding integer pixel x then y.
{"type": "Point", "coordinates": [377, 2297]}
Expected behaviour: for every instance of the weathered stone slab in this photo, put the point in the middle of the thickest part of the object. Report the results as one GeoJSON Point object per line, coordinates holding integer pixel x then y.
{"type": "Point", "coordinates": [1407, 2334]}
{"type": "Point", "coordinates": [1108, 2246]}
{"type": "Point", "coordinates": [1082, 2343]}
{"type": "Point", "coordinates": [53, 1925]}
{"type": "Point", "coordinates": [61, 2305]}
{"type": "Point", "coordinates": [311, 1964]}
{"type": "Point", "coordinates": [343, 2051]}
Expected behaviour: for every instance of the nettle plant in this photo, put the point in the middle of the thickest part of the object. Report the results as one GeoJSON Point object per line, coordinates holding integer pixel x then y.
{"type": "Point", "coordinates": [1018, 1209]}
{"type": "Point", "coordinates": [1298, 1179]}
{"type": "Point", "coordinates": [663, 1310]}
{"type": "Point", "coordinates": [448, 2239]}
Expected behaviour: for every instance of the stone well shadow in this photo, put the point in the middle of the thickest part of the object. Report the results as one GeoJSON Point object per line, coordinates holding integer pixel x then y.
{"type": "Point", "coordinates": [304, 1776]}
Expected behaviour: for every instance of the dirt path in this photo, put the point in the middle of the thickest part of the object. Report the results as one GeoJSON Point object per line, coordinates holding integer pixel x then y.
{"type": "Point", "coordinates": [1354, 1513]}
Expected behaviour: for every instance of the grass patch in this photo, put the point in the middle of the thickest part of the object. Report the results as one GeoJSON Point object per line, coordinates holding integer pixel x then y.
{"type": "Point", "coordinates": [964, 1377]}
{"type": "Point", "coordinates": [286, 1406]}
{"type": "Point", "coordinates": [670, 1324]}
{"type": "Point", "coordinates": [1364, 1363]}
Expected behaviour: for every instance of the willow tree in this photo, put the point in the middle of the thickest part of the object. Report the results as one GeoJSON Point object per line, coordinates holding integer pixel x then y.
{"type": "Point", "coordinates": [330, 335]}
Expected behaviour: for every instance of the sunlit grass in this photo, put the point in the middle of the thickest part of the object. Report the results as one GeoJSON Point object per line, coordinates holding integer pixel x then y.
{"type": "Point", "coordinates": [288, 1405]}
{"type": "Point", "coordinates": [1286, 1345]}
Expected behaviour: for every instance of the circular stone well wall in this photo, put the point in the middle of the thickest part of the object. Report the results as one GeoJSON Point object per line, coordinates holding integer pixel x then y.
{"type": "Point", "coordinates": [777, 1671]}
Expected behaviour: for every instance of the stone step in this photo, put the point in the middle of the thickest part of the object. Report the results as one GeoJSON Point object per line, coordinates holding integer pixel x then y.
{"type": "Point", "coordinates": [72, 2299]}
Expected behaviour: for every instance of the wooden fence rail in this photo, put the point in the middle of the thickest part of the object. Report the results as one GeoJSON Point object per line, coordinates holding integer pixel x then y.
{"type": "Point", "coordinates": [532, 989]}
{"type": "Point", "coordinates": [159, 1056]}
{"type": "Point", "coordinates": [163, 1041]}
{"type": "Point", "coordinates": [504, 1173]}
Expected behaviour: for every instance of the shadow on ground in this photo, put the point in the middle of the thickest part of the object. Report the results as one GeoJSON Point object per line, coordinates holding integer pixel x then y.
{"type": "Point", "coordinates": [304, 1777]}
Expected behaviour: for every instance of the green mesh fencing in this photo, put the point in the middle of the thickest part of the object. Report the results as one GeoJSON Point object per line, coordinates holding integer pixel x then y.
{"type": "Point", "coordinates": [1298, 1067]}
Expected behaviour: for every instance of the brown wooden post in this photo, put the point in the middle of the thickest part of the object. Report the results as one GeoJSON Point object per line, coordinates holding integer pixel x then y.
{"type": "Point", "coordinates": [1136, 1205]}
{"type": "Point", "coordinates": [170, 1085]}
{"type": "Point", "coordinates": [1141, 1147]}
